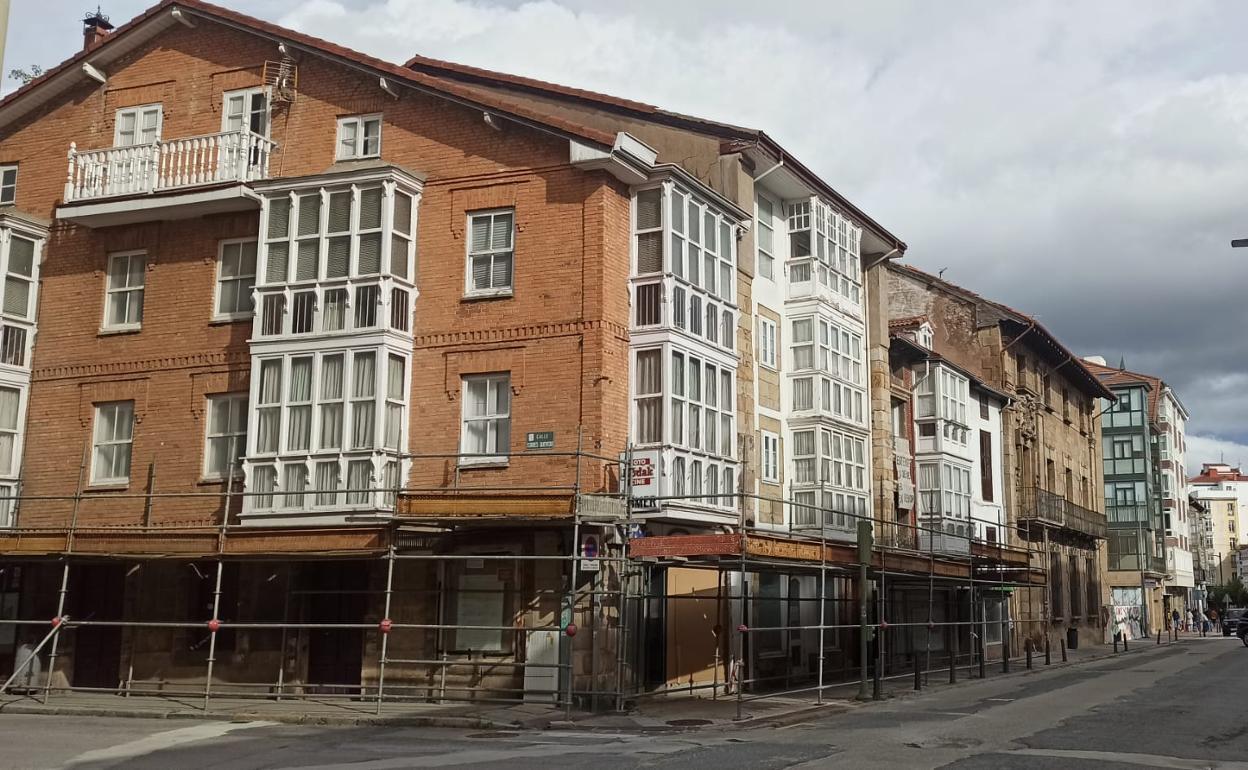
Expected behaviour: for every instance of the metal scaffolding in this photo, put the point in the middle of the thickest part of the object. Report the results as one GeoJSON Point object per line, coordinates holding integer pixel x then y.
{"type": "Point", "coordinates": [423, 639]}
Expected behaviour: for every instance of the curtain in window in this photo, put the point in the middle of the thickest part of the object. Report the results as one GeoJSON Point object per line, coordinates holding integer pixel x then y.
{"type": "Point", "coordinates": [9, 399]}
{"type": "Point", "coordinates": [359, 480]}
{"type": "Point", "coordinates": [394, 383]}
{"type": "Point", "coordinates": [264, 481]}
{"type": "Point", "coordinates": [334, 316]}
{"type": "Point", "coordinates": [362, 428]}
{"type": "Point", "coordinates": [294, 484]}
{"type": "Point", "coordinates": [327, 483]}
{"type": "Point", "coordinates": [365, 376]}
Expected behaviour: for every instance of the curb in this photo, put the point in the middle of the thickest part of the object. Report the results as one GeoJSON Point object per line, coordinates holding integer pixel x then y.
{"type": "Point", "coordinates": [832, 706]}
{"type": "Point", "coordinates": [471, 723]}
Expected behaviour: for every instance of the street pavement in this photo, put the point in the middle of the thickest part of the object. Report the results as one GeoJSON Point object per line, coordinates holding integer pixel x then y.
{"type": "Point", "coordinates": [1178, 706]}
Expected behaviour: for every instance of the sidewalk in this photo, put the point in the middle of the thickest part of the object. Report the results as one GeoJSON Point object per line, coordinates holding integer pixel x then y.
{"type": "Point", "coordinates": [668, 713]}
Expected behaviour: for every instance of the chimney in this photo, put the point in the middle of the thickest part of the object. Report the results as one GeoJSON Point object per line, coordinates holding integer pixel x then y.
{"type": "Point", "coordinates": [95, 27]}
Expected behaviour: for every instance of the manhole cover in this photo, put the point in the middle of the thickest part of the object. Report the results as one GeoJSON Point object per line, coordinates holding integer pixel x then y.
{"type": "Point", "coordinates": [688, 722]}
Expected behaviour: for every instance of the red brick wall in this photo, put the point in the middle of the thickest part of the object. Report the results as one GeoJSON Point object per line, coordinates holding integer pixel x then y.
{"type": "Point", "coordinates": [563, 335]}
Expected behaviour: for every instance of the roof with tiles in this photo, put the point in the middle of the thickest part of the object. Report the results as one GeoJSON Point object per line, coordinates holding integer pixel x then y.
{"type": "Point", "coordinates": [1114, 377]}
{"type": "Point", "coordinates": [1217, 473]}
{"type": "Point", "coordinates": [1007, 313]}
{"type": "Point", "coordinates": [403, 75]}
{"type": "Point", "coordinates": [733, 137]}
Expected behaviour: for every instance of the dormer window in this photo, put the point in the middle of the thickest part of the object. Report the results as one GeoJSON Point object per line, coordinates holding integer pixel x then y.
{"type": "Point", "coordinates": [924, 336]}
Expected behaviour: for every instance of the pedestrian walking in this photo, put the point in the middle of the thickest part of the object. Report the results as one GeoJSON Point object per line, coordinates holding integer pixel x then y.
{"type": "Point", "coordinates": [1176, 617]}
{"type": "Point", "coordinates": [1214, 620]}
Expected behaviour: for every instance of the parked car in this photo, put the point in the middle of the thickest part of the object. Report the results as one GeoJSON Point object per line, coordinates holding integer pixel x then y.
{"type": "Point", "coordinates": [1242, 631]}
{"type": "Point", "coordinates": [1231, 620]}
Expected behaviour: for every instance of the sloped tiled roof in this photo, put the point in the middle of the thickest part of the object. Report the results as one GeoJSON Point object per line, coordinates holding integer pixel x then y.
{"type": "Point", "coordinates": [1005, 312]}
{"type": "Point", "coordinates": [474, 97]}
{"type": "Point", "coordinates": [1114, 377]}
{"type": "Point", "coordinates": [733, 137]}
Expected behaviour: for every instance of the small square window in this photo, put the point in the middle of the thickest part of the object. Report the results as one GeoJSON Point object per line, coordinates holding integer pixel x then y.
{"type": "Point", "coordinates": [359, 137]}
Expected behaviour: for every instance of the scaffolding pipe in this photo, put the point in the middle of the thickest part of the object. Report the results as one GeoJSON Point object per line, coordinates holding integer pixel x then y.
{"type": "Point", "coordinates": [385, 629]}
{"type": "Point", "coordinates": [212, 632]}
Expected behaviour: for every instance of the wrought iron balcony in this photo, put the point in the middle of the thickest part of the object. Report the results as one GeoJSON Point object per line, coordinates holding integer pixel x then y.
{"type": "Point", "coordinates": [1051, 509]}
{"type": "Point", "coordinates": [174, 164]}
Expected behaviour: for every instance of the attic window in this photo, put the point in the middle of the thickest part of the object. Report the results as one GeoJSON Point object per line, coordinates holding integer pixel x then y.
{"type": "Point", "coordinates": [359, 136]}
{"type": "Point", "coordinates": [924, 336]}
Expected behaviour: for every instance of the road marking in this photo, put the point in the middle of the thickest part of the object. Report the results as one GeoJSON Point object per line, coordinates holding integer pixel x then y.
{"type": "Point", "coordinates": [163, 740]}
{"type": "Point", "coordinates": [1143, 760]}
{"type": "Point", "coordinates": [1001, 700]}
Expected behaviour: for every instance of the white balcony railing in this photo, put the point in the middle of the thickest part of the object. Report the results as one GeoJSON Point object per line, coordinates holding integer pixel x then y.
{"type": "Point", "coordinates": [230, 156]}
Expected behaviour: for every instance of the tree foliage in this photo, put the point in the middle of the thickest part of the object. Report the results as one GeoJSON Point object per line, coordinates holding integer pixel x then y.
{"type": "Point", "coordinates": [26, 74]}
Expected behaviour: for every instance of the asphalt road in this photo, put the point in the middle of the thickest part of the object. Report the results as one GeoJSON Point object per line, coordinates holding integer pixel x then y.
{"type": "Point", "coordinates": [1177, 707]}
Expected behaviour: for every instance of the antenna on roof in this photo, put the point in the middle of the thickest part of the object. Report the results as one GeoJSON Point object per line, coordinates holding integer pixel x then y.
{"type": "Point", "coordinates": [1122, 363]}
{"type": "Point", "coordinates": [941, 273]}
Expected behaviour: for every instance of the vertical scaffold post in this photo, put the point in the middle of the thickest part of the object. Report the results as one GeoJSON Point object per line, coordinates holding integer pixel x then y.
{"type": "Point", "coordinates": [384, 628]}
{"type": "Point", "coordinates": [214, 625]}
{"type": "Point", "coordinates": [864, 596]}
{"type": "Point", "coordinates": [69, 549]}
{"type": "Point", "coordinates": [60, 613]}
{"type": "Point", "coordinates": [823, 602]}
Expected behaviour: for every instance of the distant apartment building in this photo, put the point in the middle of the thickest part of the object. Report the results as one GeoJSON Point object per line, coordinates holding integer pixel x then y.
{"type": "Point", "coordinates": [1222, 491]}
{"type": "Point", "coordinates": [1150, 554]}
{"type": "Point", "coordinates": [991, 369]}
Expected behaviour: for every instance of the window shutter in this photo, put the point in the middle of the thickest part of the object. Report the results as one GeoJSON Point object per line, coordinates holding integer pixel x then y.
{"type": "Point", "coordinates": [370, 208]}
{"type": "Point", "coordinates": [21, 256]}
{"type": "Point", "coordinates": [370, 254]}
{"type": "Point", "coordinates": [649, 252]}
{"type": "Point", "coordinates": [481, 272]}
{"type": "Point", "coordinates": [502, 271]}
{"type": "Point", "coordinates": [309, 214]}
{"type": "Point", "coordinates": [339, 213]}
{"type": "Point", "coordinates": [503, 228]}
{"type": "Point", "coordinates": [306, 266]}
{"type": "Point", "coordinates": [279, 217]}
{"type": "Point", "coordinates": [338, 262]}
{"type": "Point", "coordinates": [279, 257]}
{"type": "Point", "coordinates": [403, 213]}
{"type": "Point", "coordinates": [649, 209]}
{"type": "Point", "coordinates": [480, 233]}
{"type": "Point", "coordinates": [16, 297]}
{"type": "Point", "coordinates": [398, 256]}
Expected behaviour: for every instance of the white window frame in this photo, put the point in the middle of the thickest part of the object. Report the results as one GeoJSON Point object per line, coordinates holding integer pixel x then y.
{"type": "Point", "coordinates": [770, 465]}
{"type": "Point", "coordinates": [236, 315]}
{"type": "Point", "coordinates": [490, 253]}
{"type": "Point", "coordinates": [492, 419]}
{"type": "Point", "coordinates": [246, 94]}
{"type": "Point", "coordinates": [768, 336]}
{"type": "Point", "coordinates": [138, 111]}
{"type": "Point", "coordinates": [359, 147]}
{"type": "Point", "coordinates": [98, 442]}
{"type": "Point", "coordinates": [16, 434]}
{"type": "Point", "coordinates": [766, 257]}
{"type": "Point", "coordinates": [212, 403]}
{"type": "Point", "coordinates": [110, 291]}
{"type": "Point", "coordinates": [8, 184]}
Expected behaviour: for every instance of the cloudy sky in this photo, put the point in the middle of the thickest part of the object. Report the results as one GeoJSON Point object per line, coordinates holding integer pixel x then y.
{"type": "Point", "coordinates": [1084, 162]}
